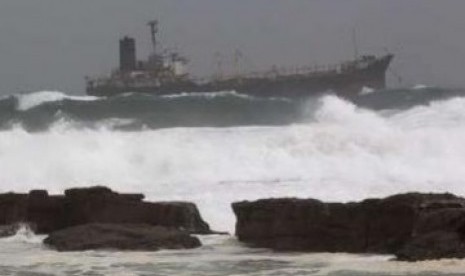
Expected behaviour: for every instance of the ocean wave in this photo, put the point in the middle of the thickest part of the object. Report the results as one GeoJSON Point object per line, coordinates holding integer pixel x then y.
{"type": "Point", "coordinates": [24, 235]}
{"type": "Point", "coordinates": [40, 110]}
{"type": "Point", "coordinates": [28, 101]}
{"type": "Point", "coordinates": [222, 94]}
{"type": "Point", "coordinates": [208, 95]}
{"type": "Point", "coordinates": [421, 87]}
{"type": "Point", "coordinates": [205, 95]}
{"type": "Point", "coordinates": [352, 151]}
{"type": "Point", "coordinates": [366, 90]}
{"type": "Point", "coordinates": [134, 111]}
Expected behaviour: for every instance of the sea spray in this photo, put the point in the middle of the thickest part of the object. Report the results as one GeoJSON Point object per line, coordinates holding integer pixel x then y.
{"type": "Point", "coordinates": [343, 152]}
{"type": "Point", "coordinates": [24, 234]}
{"type": "Point", "coordinates": [28, 101]}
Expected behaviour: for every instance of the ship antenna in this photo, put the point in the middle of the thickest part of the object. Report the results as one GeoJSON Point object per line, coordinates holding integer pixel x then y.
{"type": "Point", "coordinates": [153, 31]}
{"type": "Point", "coordinates": [237, 56]}
{"type": "Point", "coordinates": [354, 41]}
{"type": "Point", "coordinates": [219, 65]}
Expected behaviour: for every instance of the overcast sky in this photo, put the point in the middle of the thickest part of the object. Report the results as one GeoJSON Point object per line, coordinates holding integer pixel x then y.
{"type": "Point", "coordinates": [53, 44]}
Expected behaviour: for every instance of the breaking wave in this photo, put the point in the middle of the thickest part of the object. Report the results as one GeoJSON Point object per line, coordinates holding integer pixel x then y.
{"type": "Point", "coordinates": [28, 101]}
{"type": "Point", "coordinates": [353, 149]}
{"type": "Point", "coordinates": [24, 235]}
{"type": "Point", "coordinates": [208, 95]}
{"type": "Point", "coordinates": [366, 90]}
{"type": "Point", "coordinates": [40, 111]}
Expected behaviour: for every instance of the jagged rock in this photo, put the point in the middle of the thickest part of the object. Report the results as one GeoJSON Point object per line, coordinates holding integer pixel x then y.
{"type": "Point", "coordinates": [12, 208]}
{"type": "Point", "coordinates": [433, 245]}
{"type": "Point", "coordinates": [398, 224]}
{"type": "Point", "coordinates": [96, 205]}
{"type": "Point", "coordinates": [120, 237]}
{"type": "Point", "coordinates": [46, 213]}
{"type": "Point", "coordinates": [438, 233]}
{"type": "Point", "coordinates": [100, 204]}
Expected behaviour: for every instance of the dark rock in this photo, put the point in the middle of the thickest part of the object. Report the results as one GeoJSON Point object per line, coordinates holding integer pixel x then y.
{"type": "Point", "coordinates": [433, 245]}
{"type": "Point", "coordinates": [12, 208]}
{"type": "Point", "coordinates": [120, 237]}
{"type": "Point", "coordinates": [88, 191]}
{"type": "Point", "coordinates": [96, 205]}
{"type": "Point", "coordinates": [38, 195]}
{"type": "Point", "coordinates": [396, 224]}
{"type": "Point", "coordinates": [45, 212]}
{"type": "Point", "coordinates": [100, 204]}
{"type": "Point", "coordinates": [438, 233]}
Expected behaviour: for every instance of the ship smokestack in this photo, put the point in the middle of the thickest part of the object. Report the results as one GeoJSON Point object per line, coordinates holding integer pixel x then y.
{"type": "Point", "coordinates": [127, 54]}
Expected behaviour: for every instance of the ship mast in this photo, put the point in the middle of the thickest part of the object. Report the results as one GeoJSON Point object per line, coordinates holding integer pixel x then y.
{"type": "Point", "coordinates": [153, 32]}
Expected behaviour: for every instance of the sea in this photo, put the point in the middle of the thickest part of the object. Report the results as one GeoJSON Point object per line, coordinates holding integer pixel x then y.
{"type": "Point", "coordinates": [217, 148]}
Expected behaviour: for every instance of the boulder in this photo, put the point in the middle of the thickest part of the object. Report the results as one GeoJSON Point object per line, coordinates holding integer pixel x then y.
{"type": "Point", "coordinates": [101, 205]}
{"type": "Point", "coordinates": [433, 245]}
{"type": "Point", "coordinates": [48, 213]}
{"type": "Point", "coordinates": [398, 224]}
{"type": "Point", "coordinates": [12, 208]}
{"type": "Point", "coordinates": [439, 233]}
{"type": "Point", "coordinates": [135, 237]}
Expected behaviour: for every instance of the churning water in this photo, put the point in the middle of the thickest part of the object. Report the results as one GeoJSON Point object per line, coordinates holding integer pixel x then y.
{"type": "Point", "coordinates": [217, 148]}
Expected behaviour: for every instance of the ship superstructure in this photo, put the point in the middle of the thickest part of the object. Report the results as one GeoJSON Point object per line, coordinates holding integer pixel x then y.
{"type": "Point", "coordinates": [165, 73]}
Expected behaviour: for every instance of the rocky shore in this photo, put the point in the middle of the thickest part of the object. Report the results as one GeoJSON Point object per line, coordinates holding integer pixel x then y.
{"type": "Point", "coordinates": [120, 237]}
{"type": "Point", "coordinates": [105, 218]}
{"type": "Point", "coordinates": [411, 226]}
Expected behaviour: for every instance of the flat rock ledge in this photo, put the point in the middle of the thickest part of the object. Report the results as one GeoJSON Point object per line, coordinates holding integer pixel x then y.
{"type": "Point", "coordinates": [412, 226]}
{"type": "Point", "coordinates": [49, 213]}
{"type": "Point", "coordinates": [121, 237]}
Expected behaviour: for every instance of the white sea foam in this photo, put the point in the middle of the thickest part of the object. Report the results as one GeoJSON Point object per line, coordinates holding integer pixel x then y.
{"type": "Point", "coordinates": [366, 90]}
{"type": "Point", "coordinates": [208, 95]}
{"type": "Point", "coordinates": [420, 87]}
{"type": "Point", "coordinates": [219, 256]}
{"type": "Point", "coordinates": [344, 153]}
{"type": "Point", "coordinates": [24, 235]}
{"type": "Point", "coordinates": [28, 101]}
{"type": "Point", "coordinates": [212, 95]}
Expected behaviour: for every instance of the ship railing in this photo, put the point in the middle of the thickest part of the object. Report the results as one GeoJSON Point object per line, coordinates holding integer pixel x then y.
{"type": "Point", "coordinates": [280, 72]}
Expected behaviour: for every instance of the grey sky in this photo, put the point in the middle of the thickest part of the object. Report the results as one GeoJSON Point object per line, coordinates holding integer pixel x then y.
{"type": "Point", "coordinates": [53, 44]}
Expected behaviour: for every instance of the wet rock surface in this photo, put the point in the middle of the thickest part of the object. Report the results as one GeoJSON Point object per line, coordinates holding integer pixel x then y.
{"type": "Point", "coordinates": [134, 237]}
{"type": "Point", "coordinates": [412, 226]}
{"type": "Point", "coordinates": [48, 213]}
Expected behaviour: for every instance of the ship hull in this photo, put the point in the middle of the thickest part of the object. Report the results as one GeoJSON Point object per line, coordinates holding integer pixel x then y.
{"type": "Point", "coordinates": [346, 83]}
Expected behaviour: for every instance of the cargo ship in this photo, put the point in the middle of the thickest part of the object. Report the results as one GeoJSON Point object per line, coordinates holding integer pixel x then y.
{"type": "Point", "coordinates": [164, 73]}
